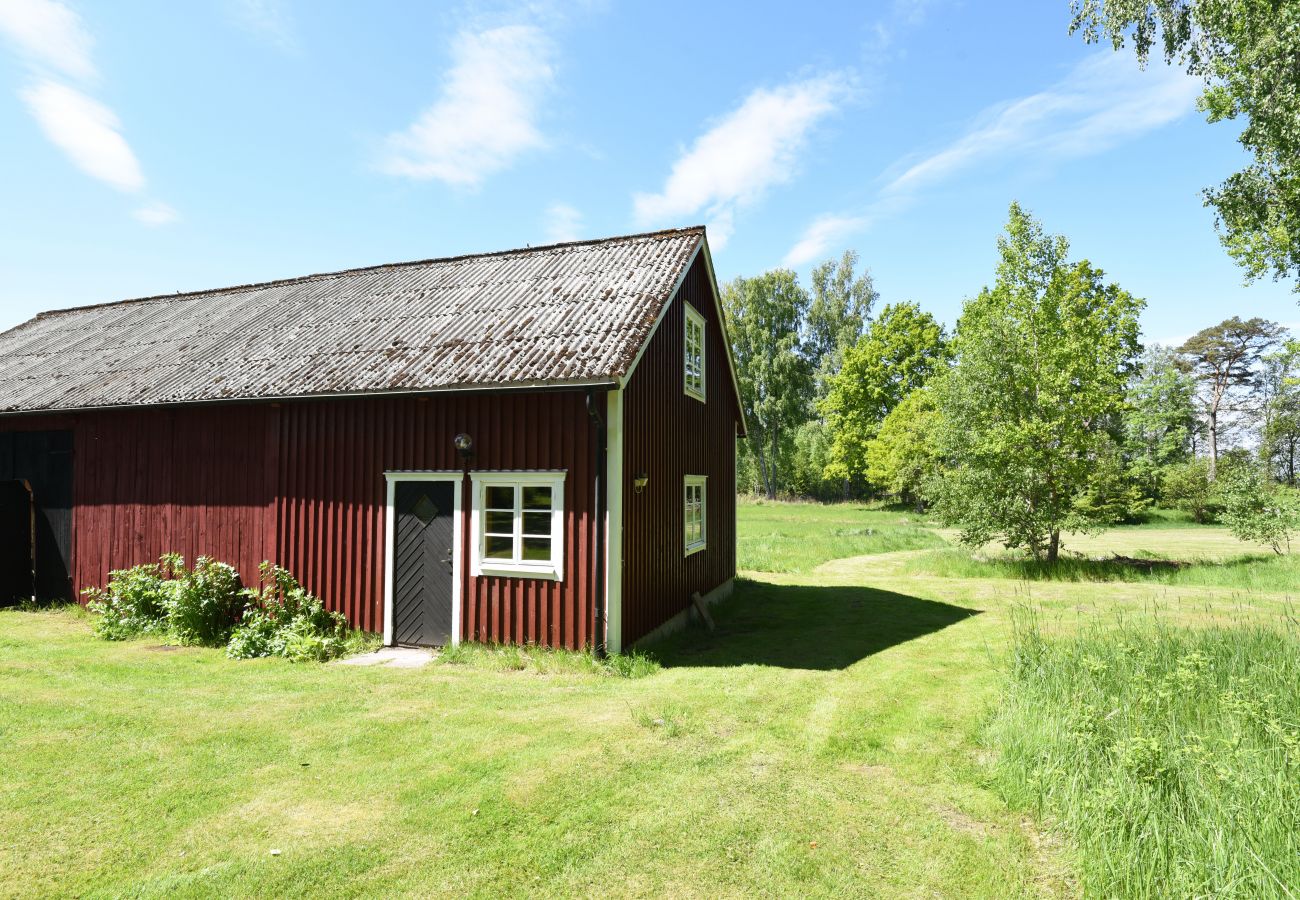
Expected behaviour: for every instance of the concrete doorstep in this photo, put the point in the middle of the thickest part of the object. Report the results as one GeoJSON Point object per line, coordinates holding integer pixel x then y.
{"type": "Point", "coordinates": [393, 657]}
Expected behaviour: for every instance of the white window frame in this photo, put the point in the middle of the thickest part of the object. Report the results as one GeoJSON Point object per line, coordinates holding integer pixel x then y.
{"type": "Point", "coordinates": [552, 569]}
{"type": "Point", "coordinates": [702, 482]}
{"type": "Point", "coordinates": [693, 317]}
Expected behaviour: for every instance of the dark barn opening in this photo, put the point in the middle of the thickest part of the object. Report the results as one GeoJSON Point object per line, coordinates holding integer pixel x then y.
{"type": "Point", "coordinates": [17, 561]}
{"type": "Point", "coordinates": [40, 463]}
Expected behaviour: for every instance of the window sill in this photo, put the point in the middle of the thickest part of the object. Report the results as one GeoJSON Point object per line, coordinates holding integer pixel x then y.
{"type": "Point", "coordinates": [691, 551]}
{"type": "Point", "coordinates": [510, 570]}
{"type": "Point", "coordinates": [690, 393]}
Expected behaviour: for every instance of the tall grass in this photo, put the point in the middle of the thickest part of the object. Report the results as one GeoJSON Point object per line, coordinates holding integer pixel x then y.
{"type": "Point", "coordinates": [798, 537]}
{"type": "Point", "coordinates": [1245, 572]}
{"type": "Point", "coordinates": [1169, 757]}
{"type": "Point", "coordinates": [546, 661]}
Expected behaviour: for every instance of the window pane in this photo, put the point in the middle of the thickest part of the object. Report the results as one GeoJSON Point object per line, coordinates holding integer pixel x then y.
{"type": "Point", "coordinates": [500, 497]}
{"type": "Point", "coordinates": [498, 547]}
{"type": "Point", "coordinates": [499, 522]}
{"type": "Point", "coordinates": [537, 497]}
{"type": "Point", "coordinates": [537, 548]}
{"type": "Point", "coordinates": [537, 523]}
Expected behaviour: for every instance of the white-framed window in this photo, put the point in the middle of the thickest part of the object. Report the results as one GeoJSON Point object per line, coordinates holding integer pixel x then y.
{"type": "Point", "coordinates": [696, 510]}
{"type": "Point", "coordinates": [518, 524]}
{"type": "Point", "coordinates": [694, 353]}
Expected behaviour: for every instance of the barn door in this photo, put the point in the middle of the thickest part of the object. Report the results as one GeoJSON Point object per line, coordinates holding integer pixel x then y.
{"type": "Point", "coordinates": [17, 562]}
{"type": "Point", "coordinates": [424, 514]}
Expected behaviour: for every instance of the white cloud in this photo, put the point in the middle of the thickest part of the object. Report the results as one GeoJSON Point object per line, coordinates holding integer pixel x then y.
{"type": "Point", "coordinates": [1105, 100]}
{"type": "Point", "coordinates": [156, 214]}
{"type": "Point", "coordinates": [563, 223]}
{"type": "Point", "coordinates": [48, 33]}
{"type": "Point", "coordinates": [488, 113]}
{"type": "Point", "coordinates": [818, 237]}
{"type": "Point", "coordinates": [748, 151]}
{"type": "Point", "coordinates": [268, 20]}
{"type": "Point", "coordinates": [87, 131]}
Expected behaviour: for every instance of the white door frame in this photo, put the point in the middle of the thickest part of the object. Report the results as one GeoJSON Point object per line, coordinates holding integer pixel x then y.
{"type": "Point", "coordinates": [457, 539]}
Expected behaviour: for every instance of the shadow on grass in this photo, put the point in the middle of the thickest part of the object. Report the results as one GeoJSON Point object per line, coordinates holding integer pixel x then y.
{"type": "Point", "coordinates": [796, 626]}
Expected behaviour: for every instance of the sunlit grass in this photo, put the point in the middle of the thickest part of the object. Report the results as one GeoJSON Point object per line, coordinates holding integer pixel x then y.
{"type": "Point", "coordinates": [797, 537]}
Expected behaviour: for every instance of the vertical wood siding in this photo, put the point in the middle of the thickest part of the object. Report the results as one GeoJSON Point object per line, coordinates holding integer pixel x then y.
{"type": "Point", "coordinates": [669, 435]}
{"type": "Point", "coordinates": [302, 484]}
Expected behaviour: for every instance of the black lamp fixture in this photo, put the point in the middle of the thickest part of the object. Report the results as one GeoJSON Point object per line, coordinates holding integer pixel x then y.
{"type": "Point", "coordinates": [464, 445]}
{"type": "Point", "coordinates": [639, 481]}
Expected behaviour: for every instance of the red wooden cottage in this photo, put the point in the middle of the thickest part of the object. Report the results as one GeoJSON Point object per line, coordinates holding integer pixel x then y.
{"type": "Point", "coordinates": [529, 446]}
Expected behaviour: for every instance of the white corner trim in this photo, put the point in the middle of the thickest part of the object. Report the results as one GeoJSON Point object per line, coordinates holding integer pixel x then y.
{"type": "Point", "coordinates": [457, 544]}
{"type": "Point", "coordinates": [552, 571]}
{"type": "Point", "coordinates": [614, 522]}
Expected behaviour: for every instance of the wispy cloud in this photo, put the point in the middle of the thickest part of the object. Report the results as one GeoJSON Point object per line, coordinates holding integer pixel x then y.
{"type": "Point", "coordinates": [820, 235]}
{"type": "Point", "coordinates": [1103, 102]}
{"type": "Point", "coordinates": [48, 34]}
{"type": "Point", "coordinates": [267, 20]}
{"type": "Point", "coordinates": [87, 131]}
{"type": "Point", "coordinates": [488, 113]}
{"type": "Point", "coordinates": [563, 223]}
{"type": "Point", "coordinates": [742, 155]}
{"type": "Point", "coordinates": [55, 45]}
{"type": "Point", "coordinates": [156, 214]}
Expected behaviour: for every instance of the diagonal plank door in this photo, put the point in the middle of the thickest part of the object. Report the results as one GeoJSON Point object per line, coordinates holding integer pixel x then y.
{"type": "Point", "coordinates": [422, 562]}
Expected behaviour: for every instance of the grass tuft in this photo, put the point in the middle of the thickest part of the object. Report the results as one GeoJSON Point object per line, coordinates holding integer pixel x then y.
{"type": "Point", "coordinates": [546, 661]}
{"type": "Point", "coordinates": [1170, 757]}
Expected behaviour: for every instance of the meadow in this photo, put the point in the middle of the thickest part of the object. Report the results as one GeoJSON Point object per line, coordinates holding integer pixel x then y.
{"type": "Point", "coordinates": [877, 714]}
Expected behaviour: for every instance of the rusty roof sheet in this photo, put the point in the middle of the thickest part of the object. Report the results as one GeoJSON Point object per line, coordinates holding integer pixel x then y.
{"type": "Point", "coordinates": [573, 313]}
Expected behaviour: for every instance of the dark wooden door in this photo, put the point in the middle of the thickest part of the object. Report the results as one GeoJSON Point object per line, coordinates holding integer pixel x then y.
{"type": "Point", "coordinates": [43, 459]}
{"type": "Point", "coordinates": [16, 562]}
{"type": "Point", "coordinates": [424, 514]}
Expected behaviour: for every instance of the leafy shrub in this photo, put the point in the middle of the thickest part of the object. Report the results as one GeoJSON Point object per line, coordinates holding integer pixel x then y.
{"type": "Point", "coordinates": [1169, 756]}
{"type": "Point", "coordinates": [1188, 487]}
{"type": "Point", "coordinates": [284, 619]}
{"type": "Point", "coordinates": [205, 603]}
{"type": "Point", "coordinates": [134, 602]}
{"type": "Point", "coordinates": [1258, 509]}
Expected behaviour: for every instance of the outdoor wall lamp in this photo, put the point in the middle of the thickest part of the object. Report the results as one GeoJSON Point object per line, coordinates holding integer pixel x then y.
{"type": "Point", "coordinates": [640, 480]}
{"type": "Point", "coordinates": [464, 445]}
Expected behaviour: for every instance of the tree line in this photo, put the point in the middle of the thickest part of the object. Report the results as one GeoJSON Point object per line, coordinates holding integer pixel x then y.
{"type": "Point", "coordinates": [1039, 414]}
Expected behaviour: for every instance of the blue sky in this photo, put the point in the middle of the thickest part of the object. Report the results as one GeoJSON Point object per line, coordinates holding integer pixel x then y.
{"type": "Point", "coordinates": [149, 147]}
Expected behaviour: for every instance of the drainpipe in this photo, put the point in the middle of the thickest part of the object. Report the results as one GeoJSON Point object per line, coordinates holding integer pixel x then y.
{"type": "Point", "coordinates": [594, 400]}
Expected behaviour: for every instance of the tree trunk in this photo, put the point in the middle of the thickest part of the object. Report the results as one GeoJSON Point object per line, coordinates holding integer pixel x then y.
{"type": "Point", "coordinates": [1214, 442]}
{"type": "Point", "coordinates": [769, 486]}
{"type": "Point", "coordinates": [1054, 547]}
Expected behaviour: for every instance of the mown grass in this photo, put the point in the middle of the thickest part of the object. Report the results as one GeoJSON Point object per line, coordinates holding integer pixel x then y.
{"type": "Point", "coordinates": [1170, 756]}
{"type": "Point", "coordinates": [546, 661]}
{"type": "Point", "coordinates": [797, 537]}
{"type": "Point", "coordinates": [1244, 572]}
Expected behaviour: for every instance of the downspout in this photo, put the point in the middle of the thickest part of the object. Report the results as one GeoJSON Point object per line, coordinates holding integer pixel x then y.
{"type": "Point", "coordinates": [602, 503]}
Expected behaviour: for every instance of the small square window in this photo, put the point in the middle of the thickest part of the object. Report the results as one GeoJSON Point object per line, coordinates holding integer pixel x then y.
{"type": "Point", "coordinates": [518, 522]}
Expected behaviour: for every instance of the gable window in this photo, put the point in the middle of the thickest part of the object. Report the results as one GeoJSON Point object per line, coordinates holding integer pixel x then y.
{"type": "Point", "coordinates": [518, 524]}
{"type": "Point", "coordinates": [694, 355]}
{"type": "Point", "coordinates": [696, 513]}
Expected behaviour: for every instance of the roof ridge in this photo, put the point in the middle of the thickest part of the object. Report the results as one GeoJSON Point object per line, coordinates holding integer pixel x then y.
{"type": "Point", "coordinates": [323, 276]}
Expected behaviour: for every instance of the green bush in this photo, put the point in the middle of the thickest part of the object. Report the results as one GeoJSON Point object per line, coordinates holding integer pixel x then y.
{"type": "Point", "coordinates": [1170, 757]}
{"type": "Point", "coordinates": [284, 619]}
{"type": "Point", "coordinates": [1258, 509]}
{"type": "Point", "coordinates": [134, 602]}
{"type": "Point", "coordinates": [205, 603]}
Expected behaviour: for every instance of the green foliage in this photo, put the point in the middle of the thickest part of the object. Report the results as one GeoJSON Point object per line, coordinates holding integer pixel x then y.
{"type": "Point", "coordinates": [284, 619]}
{"type": "Point", "coordinates": [1170, 757]}
{"type": "Point", "coordinates": [204, 603]}
{"type": "Point", "coordinates": [808, 467]}
{"type": "Point", "coordinates": [1280, 434]}
{"type": "Point", "coordinates": [134, 602]}
{"type": "Point", "coordinates": [1159, 419]}
{"type": "Point", "coordinates": [1042, 362]}
{"type": "Point", "coordinates": [1112, 494]}
{"type": "Point", "coordinates": [838, 313]}
{"type": "Point", "coordinates": [1188, 487]}
{"type": "Point", "coordinates": [902, 349]}
{"type": "Point", "coordinates": [764, 319]}
{"type": "Point", "coordinates": [902, 457]}
{"type": "Point", "coordinates": [1246, 52]}
{"type": "Point", "coordinates": [1258, 509]}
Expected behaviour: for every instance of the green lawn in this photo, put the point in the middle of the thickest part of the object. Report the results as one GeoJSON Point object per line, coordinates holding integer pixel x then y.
{"type": "Point", "coordinates": [829, 739]}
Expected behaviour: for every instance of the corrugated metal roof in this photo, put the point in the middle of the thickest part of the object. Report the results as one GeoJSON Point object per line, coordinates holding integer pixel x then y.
{"type": "Point", "coordinates": [562, 314]}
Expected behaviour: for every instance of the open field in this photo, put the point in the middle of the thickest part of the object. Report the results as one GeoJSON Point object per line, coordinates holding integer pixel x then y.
{"type": "Point", "coordinates": [830, 739]}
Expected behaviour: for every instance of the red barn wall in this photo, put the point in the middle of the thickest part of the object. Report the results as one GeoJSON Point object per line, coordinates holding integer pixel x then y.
{"type": "Point", "coordinates": [302, 484]}
{"type": "Point", "coordinates": [668, 435]}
